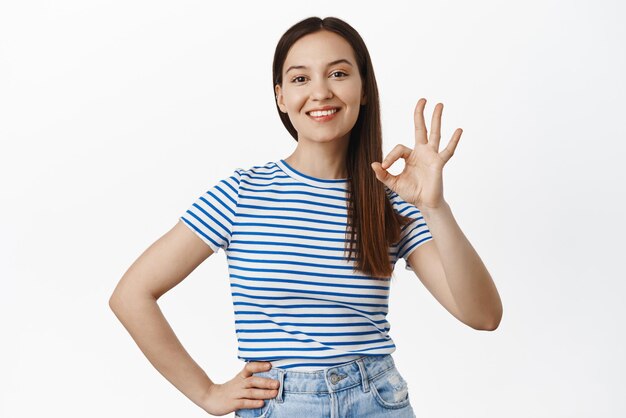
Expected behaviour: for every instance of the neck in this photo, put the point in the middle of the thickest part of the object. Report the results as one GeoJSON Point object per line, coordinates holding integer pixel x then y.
{"type": "Point", "coordinates": [322, 160]}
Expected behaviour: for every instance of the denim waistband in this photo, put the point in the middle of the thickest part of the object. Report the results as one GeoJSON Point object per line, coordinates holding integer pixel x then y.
{"type": "Point", "coordinates": [331, 379]}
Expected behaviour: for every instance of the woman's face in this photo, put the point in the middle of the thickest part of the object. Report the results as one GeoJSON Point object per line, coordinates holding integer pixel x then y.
{"type": "Point", "coordinates": [320, 71]}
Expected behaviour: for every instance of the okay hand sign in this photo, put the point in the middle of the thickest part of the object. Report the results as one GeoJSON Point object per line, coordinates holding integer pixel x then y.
{"type": "Point", "coordinates": [420, 182]}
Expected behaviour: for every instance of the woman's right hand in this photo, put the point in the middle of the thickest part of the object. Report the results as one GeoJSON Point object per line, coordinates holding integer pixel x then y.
{"type": "Point", "coordinates": [244, 391]}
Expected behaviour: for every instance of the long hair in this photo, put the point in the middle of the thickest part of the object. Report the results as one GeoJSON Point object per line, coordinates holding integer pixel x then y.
{"type": "Point", "coordinates": [373, 225]}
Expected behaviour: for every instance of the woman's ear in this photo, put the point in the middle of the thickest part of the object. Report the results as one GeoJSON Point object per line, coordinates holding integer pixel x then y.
{"type": "Point", "coordinates": [279, 98]}
{"type": "Point", "coordinates": [363, 99]}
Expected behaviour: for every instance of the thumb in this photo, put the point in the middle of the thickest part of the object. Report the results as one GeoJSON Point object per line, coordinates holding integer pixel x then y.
{"type": "Point", "coordinates": [381, 174]}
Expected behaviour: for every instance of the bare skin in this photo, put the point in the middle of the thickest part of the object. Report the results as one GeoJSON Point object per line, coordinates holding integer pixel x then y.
{"type": "Point", "coordinates": [242, 391]}
{"type": "Point", "coordinates": [166, 263]}
{"type": "Point", "coordinates": [449, 266]}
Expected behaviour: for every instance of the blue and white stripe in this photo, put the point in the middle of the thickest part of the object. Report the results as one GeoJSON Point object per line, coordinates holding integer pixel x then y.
{"type": "Point", "coordinates": [297, 302]}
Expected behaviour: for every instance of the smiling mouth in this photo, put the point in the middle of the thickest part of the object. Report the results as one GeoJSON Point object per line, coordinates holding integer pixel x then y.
{"type": "Point", "coordinates": [323, 116]}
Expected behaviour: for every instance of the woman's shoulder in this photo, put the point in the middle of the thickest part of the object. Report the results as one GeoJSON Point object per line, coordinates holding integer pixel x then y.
{"type": "Point", "coordinates": [399, 204]}
{"type": "Point", "coordinates": [257, 170]}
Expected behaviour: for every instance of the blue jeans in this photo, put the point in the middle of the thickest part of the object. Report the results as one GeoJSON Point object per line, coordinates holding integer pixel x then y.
{"type": "Point", "coordinates": [369, 386]}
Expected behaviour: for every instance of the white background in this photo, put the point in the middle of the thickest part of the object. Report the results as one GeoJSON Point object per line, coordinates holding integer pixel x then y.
{"type": "Point", "coordinates": [116, 115]}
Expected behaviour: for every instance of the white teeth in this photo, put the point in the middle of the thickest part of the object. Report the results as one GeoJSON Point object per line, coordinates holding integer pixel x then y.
{"type": "Point", "coordinates": [317, 113]}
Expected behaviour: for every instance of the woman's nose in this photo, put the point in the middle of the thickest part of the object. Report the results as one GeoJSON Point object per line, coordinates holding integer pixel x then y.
{"type": "Point", "coordinates": [321, 90]}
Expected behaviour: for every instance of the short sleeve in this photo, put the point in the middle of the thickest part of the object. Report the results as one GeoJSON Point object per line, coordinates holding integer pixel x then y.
{"type": "Point", "coordinates": [413, 234]}
{"type": "Point", "coordinates": [213, 214]}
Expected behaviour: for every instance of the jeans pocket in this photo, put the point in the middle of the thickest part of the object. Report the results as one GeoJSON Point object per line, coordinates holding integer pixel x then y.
{"type": "Point", "coordinates": [390, 389]}
{"type": "Point", "coordinates": [261, 412]}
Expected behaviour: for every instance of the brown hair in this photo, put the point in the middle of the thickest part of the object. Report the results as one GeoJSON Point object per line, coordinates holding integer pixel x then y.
{"type": "Point", "coordinates": [370, 214]}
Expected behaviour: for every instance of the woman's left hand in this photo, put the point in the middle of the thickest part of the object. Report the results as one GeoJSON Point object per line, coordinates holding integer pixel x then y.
{"type": "Point", "coordinates": [420, 183]}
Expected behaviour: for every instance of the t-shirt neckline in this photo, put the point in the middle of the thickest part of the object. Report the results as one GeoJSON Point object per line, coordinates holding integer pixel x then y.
{"type": "Point", "coordinates": [313, 181]}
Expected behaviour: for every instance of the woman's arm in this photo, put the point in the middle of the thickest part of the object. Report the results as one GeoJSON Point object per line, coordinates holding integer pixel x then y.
{"type": "Point", "coordinates": [474, 297]}
{"type": "Point", "coordinates": [134, 301]}
{"type": "Point", "coordinates": [468, 291]}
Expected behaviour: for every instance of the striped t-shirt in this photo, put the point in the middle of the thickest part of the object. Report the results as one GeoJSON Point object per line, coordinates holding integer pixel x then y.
{"type": "Point", "coordinates": [297, 301]}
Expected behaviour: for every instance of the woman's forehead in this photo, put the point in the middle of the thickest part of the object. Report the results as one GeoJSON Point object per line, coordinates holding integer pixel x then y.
{"type": "Point", "coordinates": [319, 49]}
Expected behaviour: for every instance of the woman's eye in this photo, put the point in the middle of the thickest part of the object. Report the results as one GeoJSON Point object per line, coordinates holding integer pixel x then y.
{"type": "Point", "coordinates": [297, 79]}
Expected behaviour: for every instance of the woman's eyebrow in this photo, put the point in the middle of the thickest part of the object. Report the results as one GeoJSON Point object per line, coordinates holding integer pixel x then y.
{"type": "Point", "coordinates": [304, 67]}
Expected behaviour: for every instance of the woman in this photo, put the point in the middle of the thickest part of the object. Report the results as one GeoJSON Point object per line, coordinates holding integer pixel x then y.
{"type": "Point", "coordinates": [311, 242]}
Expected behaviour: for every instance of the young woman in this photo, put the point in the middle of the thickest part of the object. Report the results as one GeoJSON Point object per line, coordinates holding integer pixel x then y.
{"type": "Point", "coordinates": [311, 242]}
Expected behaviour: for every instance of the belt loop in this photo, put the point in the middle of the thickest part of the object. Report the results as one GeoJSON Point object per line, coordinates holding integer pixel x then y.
{"type": "Point", "coordinates": [364, 377]}
{"type": "Point", "coordinates": [281, 380]}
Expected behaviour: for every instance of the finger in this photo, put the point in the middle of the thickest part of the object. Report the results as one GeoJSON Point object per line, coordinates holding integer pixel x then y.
{"type": "Point", "coordinates": [252, 367]}
{"type": "Point", "coordinates": [420, 124]}
{"type": "Point", "coordinates": [249, 403]}
{"type": "Point", "coordinates": [384, 176]}
{"type": "Point", "coordinates": [448, 152]}
{"type": "Point", "coordinates": [262, 382]}
{"type": "Point", "coordinates": [399, 151]}
{"type": "Point", "coordinates": [260, 393]}
{"type": "Point", "coordinates": [435, 127]}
